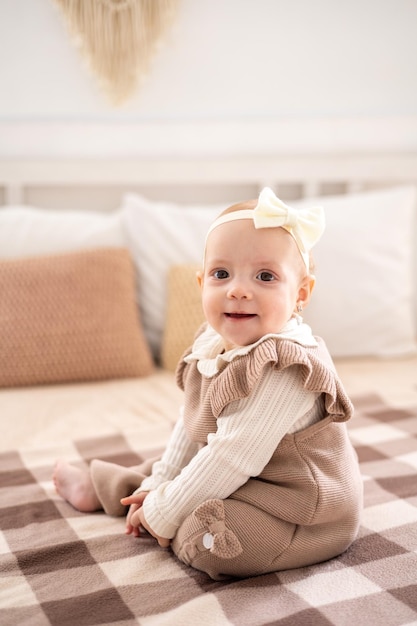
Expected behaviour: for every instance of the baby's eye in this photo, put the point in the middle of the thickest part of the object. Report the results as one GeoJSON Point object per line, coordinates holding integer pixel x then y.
{"type": "Point", "coordinates": [221, 274]}
{"type": "Point", "coordinates": [265, 276]}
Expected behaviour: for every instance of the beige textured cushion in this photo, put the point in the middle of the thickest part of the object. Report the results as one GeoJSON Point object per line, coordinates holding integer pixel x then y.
{"type": "Point", "coordinates": [184, 313]}
{"type": "Point", "coordinates": [70, 317]}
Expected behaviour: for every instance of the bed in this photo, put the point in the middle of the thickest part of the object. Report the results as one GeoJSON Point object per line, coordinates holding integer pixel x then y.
{"type": "Point", "coordinates": [80, 237]}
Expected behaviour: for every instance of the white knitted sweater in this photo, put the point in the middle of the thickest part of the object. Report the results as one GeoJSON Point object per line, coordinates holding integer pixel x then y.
{"type": "Point", "coordinates": [248, 432]}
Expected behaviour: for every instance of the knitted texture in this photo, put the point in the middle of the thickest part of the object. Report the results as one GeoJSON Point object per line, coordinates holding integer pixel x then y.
{"type": "Point", "coordinates": [224, 542]}
{"type": "Point", "coordinates": [70, 317]}
{"type": "Point", "coordinates": [206, 398]}
{"type": "Point", "coordinates": [304, 506]}
{"type": "Point", "coordinates": [184, 314]}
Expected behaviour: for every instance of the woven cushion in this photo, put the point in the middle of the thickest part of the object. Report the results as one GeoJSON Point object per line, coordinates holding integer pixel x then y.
{"type": "Point", "coordinates": [184, 313]}
{"type": "Point", "coordinates": [70, 317]}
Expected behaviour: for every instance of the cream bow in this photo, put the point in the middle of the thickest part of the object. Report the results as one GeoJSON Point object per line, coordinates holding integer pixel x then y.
{"type": "Point", "coordinates": [305, 225]}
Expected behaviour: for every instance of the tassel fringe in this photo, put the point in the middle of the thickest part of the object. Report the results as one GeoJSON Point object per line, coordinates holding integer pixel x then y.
{"type": "Point", "coordinates": [118, 38]}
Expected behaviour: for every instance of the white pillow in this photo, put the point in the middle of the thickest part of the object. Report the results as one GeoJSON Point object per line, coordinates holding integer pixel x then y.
{"type": "Point", "coordinates": [161, 235]}
{"type": "Point", "coordinates": [30, 231]}
{"type": "Point", "coordinates": [363, 303]}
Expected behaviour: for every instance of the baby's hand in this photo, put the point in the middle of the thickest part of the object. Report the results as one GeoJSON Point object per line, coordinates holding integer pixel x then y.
{"type": "Point", "coordinates": [136, 518]}
{"type": "Point", "coordinates": [140, 519]}
{"type": "Point", "coordinates": [135, 501]}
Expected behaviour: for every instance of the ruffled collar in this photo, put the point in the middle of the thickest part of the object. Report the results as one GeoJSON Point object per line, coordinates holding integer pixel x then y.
{"type": "Point", "coordinates": [208, 347]}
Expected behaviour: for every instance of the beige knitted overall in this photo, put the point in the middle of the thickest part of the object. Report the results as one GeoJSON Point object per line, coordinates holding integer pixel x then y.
{"type": "Point", "coordinates": [305, 505]}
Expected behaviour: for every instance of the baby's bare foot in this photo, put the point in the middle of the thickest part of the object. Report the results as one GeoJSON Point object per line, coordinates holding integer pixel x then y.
{"type": "Point", "coordinates": [75, 485]}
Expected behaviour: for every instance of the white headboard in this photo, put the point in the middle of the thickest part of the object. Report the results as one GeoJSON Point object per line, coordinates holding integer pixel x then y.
{"type": "Point", "coordinates": [99, 183]}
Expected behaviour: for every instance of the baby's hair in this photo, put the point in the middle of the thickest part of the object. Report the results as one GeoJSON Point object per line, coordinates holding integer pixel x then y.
{"type": "Point", "coordinates": [250, 205]}
{"type": "Point", "coordinates": [240, 206]}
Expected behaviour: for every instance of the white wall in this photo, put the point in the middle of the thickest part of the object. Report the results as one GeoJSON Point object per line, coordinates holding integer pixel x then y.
{"type": "Point", "coordinates": [233, 75]}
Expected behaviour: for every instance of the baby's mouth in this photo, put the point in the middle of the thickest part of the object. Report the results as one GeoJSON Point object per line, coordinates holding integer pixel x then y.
{"type": "Point", "coordinates": [239, 316]}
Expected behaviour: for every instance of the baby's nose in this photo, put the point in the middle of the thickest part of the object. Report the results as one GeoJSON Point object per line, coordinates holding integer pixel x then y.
{"type": "Point", "coordinates": [239, 290]}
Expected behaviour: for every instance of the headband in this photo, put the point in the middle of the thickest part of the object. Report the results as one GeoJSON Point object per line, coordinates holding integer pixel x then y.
{"type": "Point", "coordinates": [306, 226]}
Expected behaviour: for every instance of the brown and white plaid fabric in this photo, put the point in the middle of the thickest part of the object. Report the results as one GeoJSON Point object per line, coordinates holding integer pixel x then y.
{"type": "Point", "coordinates": [58, 566]}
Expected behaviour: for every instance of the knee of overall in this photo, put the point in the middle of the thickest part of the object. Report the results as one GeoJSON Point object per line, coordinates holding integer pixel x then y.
{"type": "Point", "coordinates": [203, 538]}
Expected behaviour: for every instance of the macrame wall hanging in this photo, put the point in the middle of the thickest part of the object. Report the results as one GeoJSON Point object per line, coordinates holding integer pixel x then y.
{"type": "Point", "coordinates": [118, 38]}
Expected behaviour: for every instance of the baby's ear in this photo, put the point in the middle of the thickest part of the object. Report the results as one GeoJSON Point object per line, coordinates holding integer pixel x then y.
{"type": "Point", "coordinates": [311, 284]}
{"type": "Point", "coordinates": [199, 276]}
{"type": "Point", "coordinates": [306, 289]}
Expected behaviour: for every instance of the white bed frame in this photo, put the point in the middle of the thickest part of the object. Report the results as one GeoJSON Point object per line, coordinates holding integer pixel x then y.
{"type": "Point", "coordinates": [98, 183]}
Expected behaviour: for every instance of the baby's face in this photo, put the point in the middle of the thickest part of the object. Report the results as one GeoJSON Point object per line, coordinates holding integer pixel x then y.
{"type": "Point", "coordinates": [252, 281]}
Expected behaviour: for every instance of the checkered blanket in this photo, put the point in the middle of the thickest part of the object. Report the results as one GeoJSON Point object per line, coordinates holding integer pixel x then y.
{"type": "Point", "coordinates": [58, 566]}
